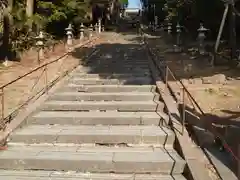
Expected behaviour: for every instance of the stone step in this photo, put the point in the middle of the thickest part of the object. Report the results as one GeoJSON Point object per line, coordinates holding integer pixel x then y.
{"type": "Point", "coordinates": [118, 70]}
{"type": "Point", "coordinates": [110, 76]}
{"type": "Point", "coordinates": [87, 70]}
{"type": "Point", "coordinates": [130, 59]}
{"type": "Point", "coordinates": [108, 88]}
{"type": "Point", "coordinates": [110, 63]}
{"type": "Point", "coordinates": [93, 135]}
{"type": "Point", "coordinates": [60, 175]}
{"type": "Point", "coordinates": [92, 159]}
{"type": "Point", "coordinates": [102, 105]}
{"type": "Point", "coordinates": [100, 96]}
{"type": "Point", "coordinates": [127, 81]}
{"type": "Point", "coordinates": [97, 118]}
{"type": "Point", "coordinates": [118, 65]}
{"type": "Point", "coordinates": [114, 70]}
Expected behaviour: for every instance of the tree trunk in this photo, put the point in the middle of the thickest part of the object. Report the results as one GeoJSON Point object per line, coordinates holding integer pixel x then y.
{"type": "Point", "coordinates": [7, 29]}
{"type": "Point", "coordinates": [29, 11]}
{"type": "Point", "coordinates": [232, 32]}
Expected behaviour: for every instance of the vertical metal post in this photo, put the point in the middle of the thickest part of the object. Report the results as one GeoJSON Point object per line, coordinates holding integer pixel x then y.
{"type": "Point", "coordinates": [166, 78]}
{"type": "Point", "coordinates": [183, 110]}
{"type": "Point", "coordinates": [46, 79]}
{"type": "Point", "coordinates": [2, 105]}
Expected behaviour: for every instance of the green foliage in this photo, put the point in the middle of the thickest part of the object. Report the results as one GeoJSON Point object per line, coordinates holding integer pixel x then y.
{"type": "Point", "coordinates": [49, 16]}
{"type": "Point", "coordinates": [66, 10]}
{"type": "Point", "coordinates": [191, 12]}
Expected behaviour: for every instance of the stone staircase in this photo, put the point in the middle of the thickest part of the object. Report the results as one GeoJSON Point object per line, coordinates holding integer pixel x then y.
{"type": "Point", "coordinates": [99, 125]}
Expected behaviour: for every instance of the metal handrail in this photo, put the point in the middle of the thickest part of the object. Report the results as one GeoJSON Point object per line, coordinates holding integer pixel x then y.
{"type": "Point", "coordinates": [43, 73]}
{"type": "Point", "coordinates": [194, 103]}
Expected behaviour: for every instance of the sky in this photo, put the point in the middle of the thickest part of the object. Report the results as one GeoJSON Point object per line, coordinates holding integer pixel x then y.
{"type": "Point", "coordinates": [133, 3]}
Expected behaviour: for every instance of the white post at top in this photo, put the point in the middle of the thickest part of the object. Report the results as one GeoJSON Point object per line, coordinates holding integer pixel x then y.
{"type": "Point", "coordinates": [99, 25]}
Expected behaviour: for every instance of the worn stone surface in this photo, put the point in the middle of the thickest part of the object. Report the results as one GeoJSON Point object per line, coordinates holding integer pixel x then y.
{"type": "Point", "coordinates": [20, 91]}
{"type": "Point", "coordinates": [71, 175]}
{"type": "Point", "coordinates": [107, 88]}
{"type": "Point", "coordinates": [131, 81]}
{"type": "Point", "coordinates": [93, 134]}
{"type": "Point", "coordinates": [97, 118]}
{"type": "Point", "coordinates": [102, 105]}
{"type": "Point", "coordinates": [92, 159]}
{"type": "Point", "coordinates": [108, 128]}
{"type": "Point", "coordinates": [101, 96]}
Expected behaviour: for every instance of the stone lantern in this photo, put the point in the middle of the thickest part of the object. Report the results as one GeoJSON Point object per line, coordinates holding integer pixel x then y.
{"type": "Point", "coordinates": [99, 25]}
{"type": "Point", "coordinates": [90, 31]}
{"type": "Point", "coordinates": [169, 28]}
{"type": "Point", "coordinates": [178, 37]}
{"type": "Point", "coordinates": [81, 32]}
{"type": "Point", "coordinates": [40, 45]}
{"type": "Point", "coordinates": [69, 33]}
{"type": "Point", "coordinates": [201, 37]}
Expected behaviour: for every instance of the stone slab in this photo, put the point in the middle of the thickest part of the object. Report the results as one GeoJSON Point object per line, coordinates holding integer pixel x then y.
{"type": "Point", "coordinates": [93, 134]}
{"type": "Point", "coordinates": [99, 160]}
{"type": "Point", "coordinates": [102, 105]}
{"type": "Point", "coordinates": [109, 76]}
{"type": "Point", "coordinates": [127, 81]}
{"type": "Point", "coordinates": [113, 70]}
{"type": "Point", "coordinates": [100, 96]}
{"type": "Point", "coordinates": [96, 118]}
{"type": "Point", "coordinates": [71, 175]}
{"type": "Point", "coordinates": [108, 88]}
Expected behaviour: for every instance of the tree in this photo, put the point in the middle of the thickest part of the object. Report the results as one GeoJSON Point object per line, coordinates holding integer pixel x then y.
{"type": "Point", "coordinates": [30, 11]}
{"type": "Point", "coordinates": [51, 16]}
{"type": "Point", "coordinates": [6, 7]}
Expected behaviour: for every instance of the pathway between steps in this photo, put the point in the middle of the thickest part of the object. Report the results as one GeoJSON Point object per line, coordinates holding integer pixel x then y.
{"type": "Point", "coordinates": [103, 123]}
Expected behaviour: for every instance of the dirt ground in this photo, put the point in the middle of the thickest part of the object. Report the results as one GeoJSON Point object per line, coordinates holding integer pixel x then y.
{"type": "Point", "coordinates": [20, 91]}
{"type": "Point", "coordinates": [216, 89]}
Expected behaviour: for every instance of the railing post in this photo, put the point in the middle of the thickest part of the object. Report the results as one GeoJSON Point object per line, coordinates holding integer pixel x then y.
{"type": "Point", "coordinates": [166, 77]}
{"type": "Point", "coordinates": [46, 79]}
{"type": "Point", "coordinates": [183, 110]}
{"type": "Point", "coordinates": [2, 105]}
